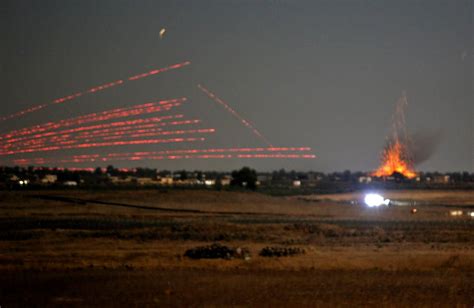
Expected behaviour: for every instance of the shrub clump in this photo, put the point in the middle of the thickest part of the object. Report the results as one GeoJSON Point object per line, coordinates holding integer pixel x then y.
{"type": "Point", "coordinates": [281, 251]}
{"type": "Point", "coordinates": [217, 251]}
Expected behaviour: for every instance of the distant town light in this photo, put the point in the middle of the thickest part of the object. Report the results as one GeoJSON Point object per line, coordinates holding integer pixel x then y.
{"type": "Point", "coordinates": [455, 213]}
{"type": "Point", "coordinates": [209, 182]}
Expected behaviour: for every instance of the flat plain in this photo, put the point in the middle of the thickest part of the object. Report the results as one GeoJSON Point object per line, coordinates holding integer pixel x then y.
{"type": "Point", "coordinates": [126, 248]}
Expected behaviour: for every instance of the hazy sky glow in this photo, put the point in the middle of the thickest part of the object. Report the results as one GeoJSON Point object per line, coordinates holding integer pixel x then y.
{"type": "Point", "coordinates": [323, 74]}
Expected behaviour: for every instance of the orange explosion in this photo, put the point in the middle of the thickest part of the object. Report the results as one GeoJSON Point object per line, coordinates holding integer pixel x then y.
{"type": "Point", "coordinates": [393, 161]}
{"type": "Point", "coordinates": [396, 157]}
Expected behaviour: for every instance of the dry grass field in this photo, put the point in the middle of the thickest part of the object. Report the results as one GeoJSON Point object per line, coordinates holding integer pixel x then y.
{"type": "Point", "coordinates": [126, 248]}
{"type": "Point", "coordinates": [440, 197]}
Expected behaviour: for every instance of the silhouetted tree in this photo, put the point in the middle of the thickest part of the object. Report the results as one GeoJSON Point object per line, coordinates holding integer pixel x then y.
{"type": "Point", "coordinates": [146, 172]}
{"type": "Point", "coordinates": [346, 176]}
{"type": "Point", "coordinates": [466, 177]}
{"type": "Point", "coordinates": [244, 177]}
{"type": "Point", "coordinates": [218, 185]}
{"type": "Point", "coordinates": [112, 171]}
{"type": "Point", "coordinates": [164, 173]}
{"type": "Point", "coordinates": [199, 175]}
{"type": "Point", "coordinates": [183, 175]}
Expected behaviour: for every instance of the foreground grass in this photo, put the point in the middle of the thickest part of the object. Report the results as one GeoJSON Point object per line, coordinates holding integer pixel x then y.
{"type": "Point", "coordinates": [54, 252]}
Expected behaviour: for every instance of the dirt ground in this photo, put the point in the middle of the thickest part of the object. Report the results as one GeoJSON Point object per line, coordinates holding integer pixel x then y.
{"type": "Point", "coordinates": [126, 248]}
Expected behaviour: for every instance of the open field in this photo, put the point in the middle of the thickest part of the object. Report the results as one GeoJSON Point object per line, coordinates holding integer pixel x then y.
{"type": "Point", "coordinates": [433, 197]}
{"type": "Point", "coordinates": [127, 248]}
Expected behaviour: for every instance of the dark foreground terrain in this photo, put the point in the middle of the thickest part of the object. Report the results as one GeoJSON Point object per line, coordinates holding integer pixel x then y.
{"type": "Point", "coordinates": [127, 248]}
{"type": "Point", "coordinates": [195, 287]}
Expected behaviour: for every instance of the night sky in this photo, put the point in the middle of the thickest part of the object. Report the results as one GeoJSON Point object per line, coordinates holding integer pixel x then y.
{"type": "Point", "coordinates": [323, 74]}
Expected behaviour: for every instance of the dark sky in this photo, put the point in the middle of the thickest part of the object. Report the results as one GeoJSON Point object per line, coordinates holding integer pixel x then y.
{"type": "Point", "coordinates": [324, 74]}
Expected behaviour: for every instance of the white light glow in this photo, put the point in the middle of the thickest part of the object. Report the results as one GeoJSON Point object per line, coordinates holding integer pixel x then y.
{"type": "Point", "coordinates": [375, 200]}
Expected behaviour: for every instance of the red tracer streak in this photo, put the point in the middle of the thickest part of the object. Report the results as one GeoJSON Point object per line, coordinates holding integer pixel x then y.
{"type": "Point", "coordinates": [235, 114]}
{"type": "Point", "coordinates": [118, 125]}
{"type": "Point", "coordinates": [103, 144]}
{"type": "Point", "coordinates": [67, 140]}
{"type": "Point", "coordinates": [96, 117]}
{"type": "Point", "coordinates": [93, 90]}
{"type": "Point", "coordinates": [188, 153]}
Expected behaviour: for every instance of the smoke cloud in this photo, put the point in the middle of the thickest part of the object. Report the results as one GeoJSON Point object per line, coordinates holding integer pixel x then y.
{"type": "Point", "coordinates": [424, 144]}
{"type": "Point", "coordinates": [416, 148]}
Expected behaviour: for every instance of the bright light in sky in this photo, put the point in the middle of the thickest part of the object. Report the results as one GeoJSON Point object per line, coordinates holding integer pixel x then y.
{"type": "Point", "coordinates": [162, 32]}
{"type": "Point", "coordinates": [375, 200]}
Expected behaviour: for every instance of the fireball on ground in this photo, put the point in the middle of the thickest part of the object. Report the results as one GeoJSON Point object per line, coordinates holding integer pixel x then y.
{"type": "Point", "coordinates": [397, 156]}
{"type": "Point", "coordinates": [393, 162]}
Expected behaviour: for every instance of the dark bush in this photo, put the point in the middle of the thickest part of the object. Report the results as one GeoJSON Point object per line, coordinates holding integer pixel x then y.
{"type": "Point", "coordinates": [281, 251]}
{"type": "Point", "coordinates": [216, 251]}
